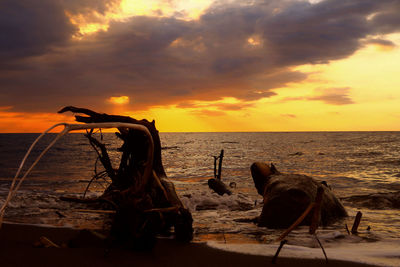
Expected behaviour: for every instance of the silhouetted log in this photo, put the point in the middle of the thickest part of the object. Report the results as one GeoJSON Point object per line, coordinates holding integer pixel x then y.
{"type": "Point", "coordinates": [219, 187]}
{"type": "Point", "coordinates": [287, 196]}
{"type": "Point", "coordinates": [216, 183]}
{"type": "Point", "coordinates": [146, 202]}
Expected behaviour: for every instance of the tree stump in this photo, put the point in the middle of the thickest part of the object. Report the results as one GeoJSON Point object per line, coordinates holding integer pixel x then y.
{"type": "Point", "coordinates": [146, 202]}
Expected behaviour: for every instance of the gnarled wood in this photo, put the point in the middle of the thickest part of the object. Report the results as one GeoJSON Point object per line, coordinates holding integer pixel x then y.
{"type": "Point", "coordinates": [93, 116]}
{"type": "Point", "coordinates": [146, 201]}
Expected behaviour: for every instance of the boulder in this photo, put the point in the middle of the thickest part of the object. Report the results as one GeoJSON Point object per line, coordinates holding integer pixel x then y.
{"type": "Point", "coordinates": [286, 197]}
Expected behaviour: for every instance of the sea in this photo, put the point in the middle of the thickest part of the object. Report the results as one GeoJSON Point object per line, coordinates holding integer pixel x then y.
{"type": "Point", "coordinates": [362, 169]}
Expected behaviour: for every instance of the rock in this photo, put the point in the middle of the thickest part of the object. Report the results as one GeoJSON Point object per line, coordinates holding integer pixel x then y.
{"type": "Point", "coordinates": [286, 196]}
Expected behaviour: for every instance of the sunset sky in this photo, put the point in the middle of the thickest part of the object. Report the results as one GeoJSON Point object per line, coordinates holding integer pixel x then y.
{"type": "Point", "coordinates": [192, 65]}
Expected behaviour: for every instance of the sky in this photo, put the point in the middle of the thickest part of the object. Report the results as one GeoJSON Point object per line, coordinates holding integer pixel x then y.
{"type": "Point", "coordinates": [208, 66]}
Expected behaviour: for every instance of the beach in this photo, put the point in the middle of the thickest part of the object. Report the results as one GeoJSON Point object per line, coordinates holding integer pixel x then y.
{"type": "Point", "coordinates": [236, 126]}
{"type": "Point", "coordinates": [352, 164]}
{"type": "Point", "coordinates": [17, 249]}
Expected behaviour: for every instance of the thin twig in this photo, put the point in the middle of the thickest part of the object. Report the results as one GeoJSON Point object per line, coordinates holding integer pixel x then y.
{"type": "Point", "coordinates": [103, 156]}
{"type": "Point", "coordinates": [95, 211]}
{"type": "Point", "coordinates": [95, 177]}
{"type": "Point", "coordinates": [317, 211]}
{"type": "Point", "coordinates": [323, 250]}
{"type": "Point", "coordinates": [347, 229]}
{"type": "Point", "coordinates": [221, 156]}
{"type": "Point", "coordinates": [169, 209]}
{"type": "Point", "coordinates": [283, 242]}
{"type": "Point", "coordinates": [215, 166]}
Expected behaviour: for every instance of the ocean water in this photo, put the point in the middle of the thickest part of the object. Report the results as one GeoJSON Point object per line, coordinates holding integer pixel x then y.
{"type": "Point", "coordinates": [362, 168]}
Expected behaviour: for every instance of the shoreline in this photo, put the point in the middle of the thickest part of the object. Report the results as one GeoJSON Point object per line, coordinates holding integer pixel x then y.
{"type": "Point", "coordinates": [16, 249]}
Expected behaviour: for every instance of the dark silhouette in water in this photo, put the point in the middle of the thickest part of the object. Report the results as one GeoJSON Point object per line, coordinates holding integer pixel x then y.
{"type": "Point", "coordinates": [286, 197]}
{"type": "Point", "coordinates": [216, 183]}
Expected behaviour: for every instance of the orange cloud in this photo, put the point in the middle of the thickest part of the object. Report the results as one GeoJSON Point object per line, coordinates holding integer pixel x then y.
{"type": "Point", "coordinates": [208, 113]}
{"type": "Point", "coordinates": [289, 115]}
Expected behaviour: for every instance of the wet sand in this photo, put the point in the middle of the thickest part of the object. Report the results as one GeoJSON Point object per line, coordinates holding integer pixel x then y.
{"type": "Point", "coordinates": [17, 249]}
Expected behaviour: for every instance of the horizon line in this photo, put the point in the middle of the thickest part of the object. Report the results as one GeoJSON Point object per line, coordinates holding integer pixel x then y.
{"type": "Point", "coordinates": [294, 131]}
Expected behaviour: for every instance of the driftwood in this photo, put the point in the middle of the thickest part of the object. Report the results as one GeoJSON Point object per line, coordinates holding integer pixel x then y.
{"type": "Point", "coordinates": [357, 220]}
{"type": "Point", "coordinates": [315, 218]}
{"type": "Point", "coordinates": [145, 201]}
{"type": "Point", "coordinates": [275, 257]}
{"type": "Point", "coordinates": [287, 196]}
{"type": "Point", "coordinates": [216, 183]}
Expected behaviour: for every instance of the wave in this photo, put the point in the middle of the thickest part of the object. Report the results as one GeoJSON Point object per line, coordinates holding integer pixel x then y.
{"type": "Point", "coordinates": [389, 200]}
{"type": "Point", "coordinates": [366, 154]}
{"type": "Point", "coordinates": [297, 154]}
{"type": "Point", "coordinates": [169, 147]}
{"type": "Point", "coordinates": [209, 201]}
{"type": "Point", "coordinates": [388, 162]}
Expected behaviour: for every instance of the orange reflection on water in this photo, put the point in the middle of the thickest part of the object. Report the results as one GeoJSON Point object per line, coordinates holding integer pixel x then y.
{"type": "Point", "coordinates": [226, 238]}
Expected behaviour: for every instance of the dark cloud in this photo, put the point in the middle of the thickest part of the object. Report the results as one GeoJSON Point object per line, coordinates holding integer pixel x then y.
{"type": "Point", "coordinates": [29, 28]}
{"type": "Point", "coordinates": [381, 42]}
{"type": "Point", "coordinates": [387, 20]}
{"type": "Point", "coordinates": [159, 61]}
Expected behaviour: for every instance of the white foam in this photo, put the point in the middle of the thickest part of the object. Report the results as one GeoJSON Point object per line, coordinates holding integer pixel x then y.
{"type": "Point", "coordinates": [385, 253]}
{"type": "Point", "coordinates": [210, 201]}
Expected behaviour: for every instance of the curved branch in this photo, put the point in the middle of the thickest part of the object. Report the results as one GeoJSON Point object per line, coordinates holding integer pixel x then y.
{"type": "Point", "coordinates": [104, 158]}
{"type": "Point", "coordinates": [94, 117]}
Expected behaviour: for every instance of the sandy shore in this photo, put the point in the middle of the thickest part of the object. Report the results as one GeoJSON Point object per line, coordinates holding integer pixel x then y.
{"type": "Point", "coordinates": [17, 249]}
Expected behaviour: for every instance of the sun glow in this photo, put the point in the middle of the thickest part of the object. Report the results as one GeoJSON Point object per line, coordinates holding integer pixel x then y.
{"type": "Point", "coordinates": [119, 100]}
{"type": "Point", "coordinates": [254, 41]}
{"type": "Point", "coordinates": [94, 22]}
